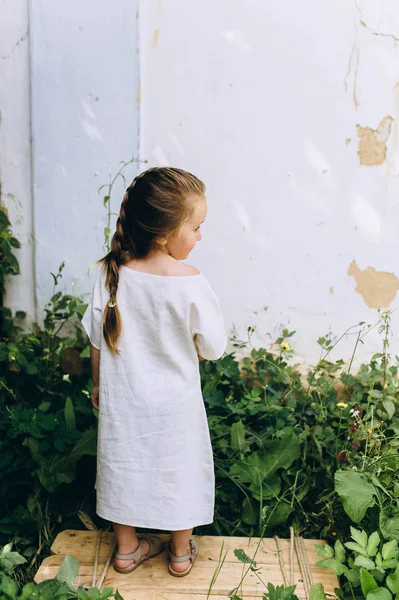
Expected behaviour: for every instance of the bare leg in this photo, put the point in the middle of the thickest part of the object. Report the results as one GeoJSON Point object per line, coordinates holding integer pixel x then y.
{"type": "Point", "coordinates": [181, 546]}
{"type": "Point", "coordinates": [127, 542]}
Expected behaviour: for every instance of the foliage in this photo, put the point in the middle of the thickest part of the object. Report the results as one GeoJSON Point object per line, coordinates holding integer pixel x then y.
{"type": "Point", "coordinates": [294, 451]}
{"type": "Point", "coordinates": [60, 588]}
{"type": "Point", "coordinates": [47, 425]}
{"type": "Point", "coordinates": [278, 592]}
{"type": "Point", "coordinates": [9, 560]}
{"type": "Point", "coordinates": [8, 244]}
{"type": "Point", "coordinates": [372, 564]}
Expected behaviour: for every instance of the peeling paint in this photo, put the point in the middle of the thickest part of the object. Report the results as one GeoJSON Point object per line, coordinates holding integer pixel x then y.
{"type": "Point", "coordinates": [379, 33]}
{"type": "Point", "coordinates": [139, 95]}
{"type": "Point", "coordinates": [377, 288]}
{"type": "Point", "coordinates": [373, 142]}
{"type": "Point", "coordinates": [137, 15]}
{"type": "Point", "coordinates": [159, 5]}
{"type": "Point", "coordinates": [155, 38]}
{"type": "Point", "coordinates": [348, 141]}
{"type": "Point", "coordinates": [331, 289]}
{"type": "Point", "coordinates": [354, 58]}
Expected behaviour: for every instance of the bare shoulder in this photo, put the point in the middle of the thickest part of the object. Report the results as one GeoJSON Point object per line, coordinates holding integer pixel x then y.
{"type": "Point", "coordinates": [185, 270]}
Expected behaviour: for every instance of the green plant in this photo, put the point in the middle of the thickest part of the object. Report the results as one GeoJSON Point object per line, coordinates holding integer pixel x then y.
{"type": "Point", "coordinates": [47, 425]}
{"type": "Point", "coordinates": [108, 188]}
{"type": "Point", "coordinates": [60, 588]}
{"type": "Point", "coordinates": [9, 560]}
{"type": "Point", "coordinates": [8, 244]}
{"type": "Point", "coordinates": [280, 441]}
{"type": "Point", "coordinates": [371, 565]}
{"type": "Point", "coordinates": [278, 592]}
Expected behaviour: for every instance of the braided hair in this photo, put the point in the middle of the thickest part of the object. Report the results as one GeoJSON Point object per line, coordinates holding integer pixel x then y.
{"type": "Point", "coordinates": [156, 204]}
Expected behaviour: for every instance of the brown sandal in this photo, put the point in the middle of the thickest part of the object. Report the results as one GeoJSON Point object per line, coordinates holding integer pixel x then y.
{"type": "Point", "coordinates": [192, 555]}
{"type": "Point", "coordinates": [156, 547]}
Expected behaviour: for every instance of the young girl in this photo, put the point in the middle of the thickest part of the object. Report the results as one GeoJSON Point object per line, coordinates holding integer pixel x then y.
{"type": "Point", "coordinates": [151, 319]}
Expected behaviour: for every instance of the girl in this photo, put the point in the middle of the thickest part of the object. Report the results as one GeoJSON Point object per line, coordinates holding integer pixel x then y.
{"type": "Point", "coordinates": [151, 319]}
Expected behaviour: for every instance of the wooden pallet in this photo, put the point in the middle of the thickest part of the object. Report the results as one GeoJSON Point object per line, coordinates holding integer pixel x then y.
{"type": "Point", "coordinates": [153, 582]}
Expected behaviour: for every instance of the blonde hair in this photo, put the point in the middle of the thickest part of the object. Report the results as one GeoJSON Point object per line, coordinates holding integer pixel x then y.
{"type": "Point", "coordinates": [155, 205]}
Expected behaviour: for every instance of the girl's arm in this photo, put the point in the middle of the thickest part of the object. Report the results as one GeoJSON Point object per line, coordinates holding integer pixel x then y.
{"type": "Point", "coordinates": [95, 371]}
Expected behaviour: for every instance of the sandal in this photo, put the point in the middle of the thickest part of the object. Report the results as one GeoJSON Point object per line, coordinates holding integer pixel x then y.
{"type": "Point", "coordinates": [192, 555]}
{"type": "Point", "coordinates": [156, 547]}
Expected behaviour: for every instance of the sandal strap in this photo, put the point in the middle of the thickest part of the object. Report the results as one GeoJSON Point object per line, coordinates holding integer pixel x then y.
{"type": "Point", "coordinates": [136, 555]}
{"type": "Point", "coordinates": [179, 559]}
{"type": "Point", "coordinates": [188, 556]}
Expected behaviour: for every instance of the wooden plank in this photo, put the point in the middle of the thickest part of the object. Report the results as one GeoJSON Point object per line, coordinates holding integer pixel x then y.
{"type": "Point", "coordinates": [152, 580]}
{"type": "Point", "coordinates": [83, 544]}
{"type": "Point", "coordinates": [154, 576]}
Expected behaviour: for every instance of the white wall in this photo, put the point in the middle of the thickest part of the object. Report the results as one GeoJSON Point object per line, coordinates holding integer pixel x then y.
{"type": "Point", "coordinates": [262, 101]}
{"type": "Point", "coordinates": [85, 120]}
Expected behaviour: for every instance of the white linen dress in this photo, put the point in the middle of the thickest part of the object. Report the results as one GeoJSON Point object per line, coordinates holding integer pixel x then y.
{"type": "Point", "coordinates": [154, 455]}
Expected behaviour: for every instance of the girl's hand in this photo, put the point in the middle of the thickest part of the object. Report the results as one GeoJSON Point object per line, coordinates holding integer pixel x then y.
{"type": "Point", "coordinates": [95, 394]}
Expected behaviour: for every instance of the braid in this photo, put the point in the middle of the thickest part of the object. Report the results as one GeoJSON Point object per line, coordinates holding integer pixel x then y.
{"type": "Point", "coordinates": [112, 321]}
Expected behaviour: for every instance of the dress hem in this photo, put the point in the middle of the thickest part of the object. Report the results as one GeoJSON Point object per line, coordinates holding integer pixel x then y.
{"type": "Point", "coordinates": [154, 525]}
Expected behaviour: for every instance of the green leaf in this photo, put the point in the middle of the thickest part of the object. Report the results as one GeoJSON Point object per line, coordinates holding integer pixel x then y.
{"type": "Point", "coordinates": [390, 563]}
{"type": "Point", "coordinates": [356, 548]}
{"type": "Point", "coordinates": [34, 449]}
{"type": "Point", "coordinates": [334, 565]}
{"type": "Point", "coordinates": [243, 557]}
{"type": "Point", "coordinates": [353, 576]}
{"type": "Point", "coordinates": [379, 594]}
{"type": "Point", "coordinates": [6, 549]}
{"type": "Point", "coordinates": [68, 571]}
{"type": "Point", "coordinates": [356, 493]}
{"type": "Point", "coordinates": [393, 581]}
{"type": "Point", "coordinates": [237, 434]}
{"type": "Point", "coordinates": [107, 592]}
{"type": "Point", "coordinates": [85, 353]}
{"type": "Point", "coordinates": [317, 592]}
{"type": "Point", "coordinates": [69, 415]}
{"type": "Point", "coordinates": [324, 550]}
{"type": "Point", "coordinates": [389, 408]}
{"type": "Point", "coordinates": [271, 488]}
{"type": "Point", "coordinates": [279, 453]}
{"type": "Point", "coordinates": [367, 582]}
{"type": "Point", "coordinates": [118, 596]}
{"type": "Point", "coordinates": [366, 563]}
{"type": "Point", "coordinates": [359, 536]}
{"type": "Point", "coordinates": [389, 526]}
{"type": "Point", "coordinates": [373, 543]}
{"type": "Point", "coordinates": [250, 511]}
{"type": "Point", "coordinates": [390, 550]}
{"type": "Point", "coordinates": [339, 551]}
{"type": "Point", "coordinates": [278, 515]}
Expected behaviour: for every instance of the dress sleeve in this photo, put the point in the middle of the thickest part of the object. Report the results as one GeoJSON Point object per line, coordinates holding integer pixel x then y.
{"type": "Point", "coordinates": [92, 319]}
{"type": "Point", "coordinates": [207, 323]}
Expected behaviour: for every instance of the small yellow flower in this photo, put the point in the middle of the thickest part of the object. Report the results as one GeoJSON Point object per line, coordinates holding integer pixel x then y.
{"type": "Point", "coordinates": [369, 431]}
{"type": "Point", "coordinates": [342, 405]}
{"type": "Point", "coordinates": [285, 346]}
{"type": "Point", "coordinates": [334, 533]}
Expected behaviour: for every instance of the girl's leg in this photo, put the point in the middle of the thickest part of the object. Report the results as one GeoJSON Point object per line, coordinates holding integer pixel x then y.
{"type": "Point", "coordinates": [181, 546]}
{"type": "Point", "coordinates": [127, 542]}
